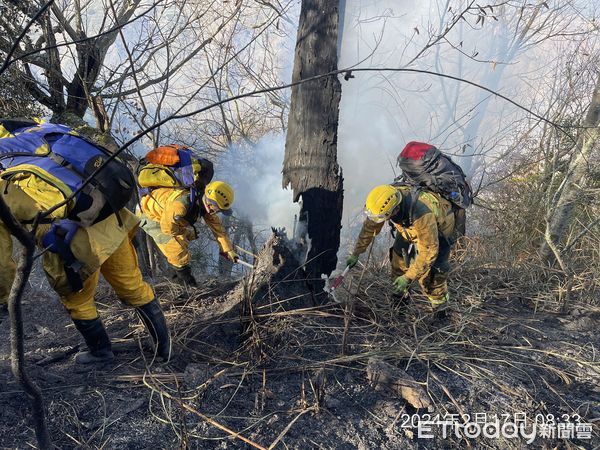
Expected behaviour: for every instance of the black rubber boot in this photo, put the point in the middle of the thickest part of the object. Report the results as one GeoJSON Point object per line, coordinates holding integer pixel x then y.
{"type": "Point", "coordinates": [154, 320]}
{"type": "Point", "coordinates": [97, 340]}
{"type": "Point", "coordinates": [183, 275]}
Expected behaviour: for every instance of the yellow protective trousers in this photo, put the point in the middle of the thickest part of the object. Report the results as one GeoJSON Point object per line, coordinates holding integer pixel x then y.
{"type": "Point", "coordinates": [434, 282]}
{"type": "Point", "coordinates": [122, 272]}
{"type": "Point", "coordinates": [104, 247]}
{"type": "Point", "coordinates": [176, 248]}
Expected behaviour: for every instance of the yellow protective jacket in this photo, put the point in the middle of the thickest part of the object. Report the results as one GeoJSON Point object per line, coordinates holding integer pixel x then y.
{"type": "Point", "coordinates": [28, 195]}
{"type": "Point", "coordinates": [432, 217]}
{"type": "Point", "coordinates": [172, 211]}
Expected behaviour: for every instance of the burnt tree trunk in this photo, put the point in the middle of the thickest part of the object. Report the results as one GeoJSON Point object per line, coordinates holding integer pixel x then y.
{"type": "Point", "coordinates": [310, 165]}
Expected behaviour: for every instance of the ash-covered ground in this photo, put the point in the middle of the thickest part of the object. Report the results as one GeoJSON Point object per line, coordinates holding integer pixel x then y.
{"type": "Point", "coordinates": [268, 360]}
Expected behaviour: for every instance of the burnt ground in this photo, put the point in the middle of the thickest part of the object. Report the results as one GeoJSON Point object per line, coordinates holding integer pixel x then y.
{"type": "Point", "coordinates": [283, 372]}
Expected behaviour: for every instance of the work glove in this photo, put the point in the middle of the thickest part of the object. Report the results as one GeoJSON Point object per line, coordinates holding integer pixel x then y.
{"type": "Point", "coordinates": [401, 284]}
{"type": "Point", "coordinates": [352, 261]}
{"type": "Point", "coordinates": [232, 256]}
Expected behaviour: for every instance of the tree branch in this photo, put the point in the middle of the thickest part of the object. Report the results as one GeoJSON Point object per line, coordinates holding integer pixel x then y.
{"type": "Point", "coordinates": [37, 15]}
{"type": "Point", "coordinates": [168, 73]}
{"type": "Point", "coordinates": [17, 353]}
{"type": "Point", "coordinates": [78, 41]}
{"type": "Point", "coordinates": [285, 86]}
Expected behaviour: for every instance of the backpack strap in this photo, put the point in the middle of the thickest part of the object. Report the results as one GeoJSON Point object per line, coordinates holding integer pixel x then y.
{"type": "Point", "coordinates": [91, 186]}
{"type": "Point", "coordinates": [187, 173]}
{"type": "Point", "coordinates": [193, 211]}
{"type": "Point", "coordinates": [415, 192]}
{"type": "Point", "coordinates": [406, 214]}
{"type": "Point", "coordinates": [58, 240]}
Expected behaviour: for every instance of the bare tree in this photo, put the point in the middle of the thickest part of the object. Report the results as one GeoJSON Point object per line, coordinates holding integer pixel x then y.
{"type": "Point", "coordinates": [62, 78]}
{"type": "Point", "coordinates": [570, 190]}
{"type": "Point", "coordinates": [517, 27]}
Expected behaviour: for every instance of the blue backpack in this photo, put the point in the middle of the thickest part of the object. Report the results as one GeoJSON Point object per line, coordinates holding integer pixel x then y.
{"type": "Point", "coordinates": [64, 159]}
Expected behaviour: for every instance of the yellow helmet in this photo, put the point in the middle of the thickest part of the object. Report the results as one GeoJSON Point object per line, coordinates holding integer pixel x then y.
{"type": "Point", "coordinates": [220, 193]}
{"type": "Point", "coordinates": [382, 202]}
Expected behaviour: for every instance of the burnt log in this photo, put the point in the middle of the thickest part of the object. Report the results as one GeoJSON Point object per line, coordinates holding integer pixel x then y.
{"type": "Point", "coordinates": [243, 313]}
{"type": "Point", "coordinates": [277, 283]}
{"type": "Point", "coordinates": [310, 165]}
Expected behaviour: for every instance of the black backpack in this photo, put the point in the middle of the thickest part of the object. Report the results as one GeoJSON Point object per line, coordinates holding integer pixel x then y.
{"type": "Point", "coordinates": [425, 166]}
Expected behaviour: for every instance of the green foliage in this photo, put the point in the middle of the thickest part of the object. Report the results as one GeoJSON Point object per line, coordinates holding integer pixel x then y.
{"type": "Point", "coordinates": [15, 100]}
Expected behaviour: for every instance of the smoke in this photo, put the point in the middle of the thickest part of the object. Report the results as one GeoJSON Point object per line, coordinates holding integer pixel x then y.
{"type": "Point", "coordinates": [372, 125]}
{"type": "Point", "coordinates": [381, 111]}
{"type": "Point", "coordinates": [255, 174]}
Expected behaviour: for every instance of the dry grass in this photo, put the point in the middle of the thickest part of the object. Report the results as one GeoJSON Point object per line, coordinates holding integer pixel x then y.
{"type": "Point", "coordinates": [245, 347]}
{"type": "Point", "coordinates": [496, 341]}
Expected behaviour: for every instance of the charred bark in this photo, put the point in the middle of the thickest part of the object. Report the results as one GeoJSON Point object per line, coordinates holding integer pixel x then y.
{"type": "Point", "coordinates": [395, 381]}
{"type": "Point", "coordinates": [310, 166]}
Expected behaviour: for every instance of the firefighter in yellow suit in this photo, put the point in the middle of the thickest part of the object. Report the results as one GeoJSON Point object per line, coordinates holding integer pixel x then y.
{"type": "Point", "coordinates": [102, 248]}
{"type": "Point", "coordinates": [169, 215]}
{"type": "Point", "coordinates": [425, 229]}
